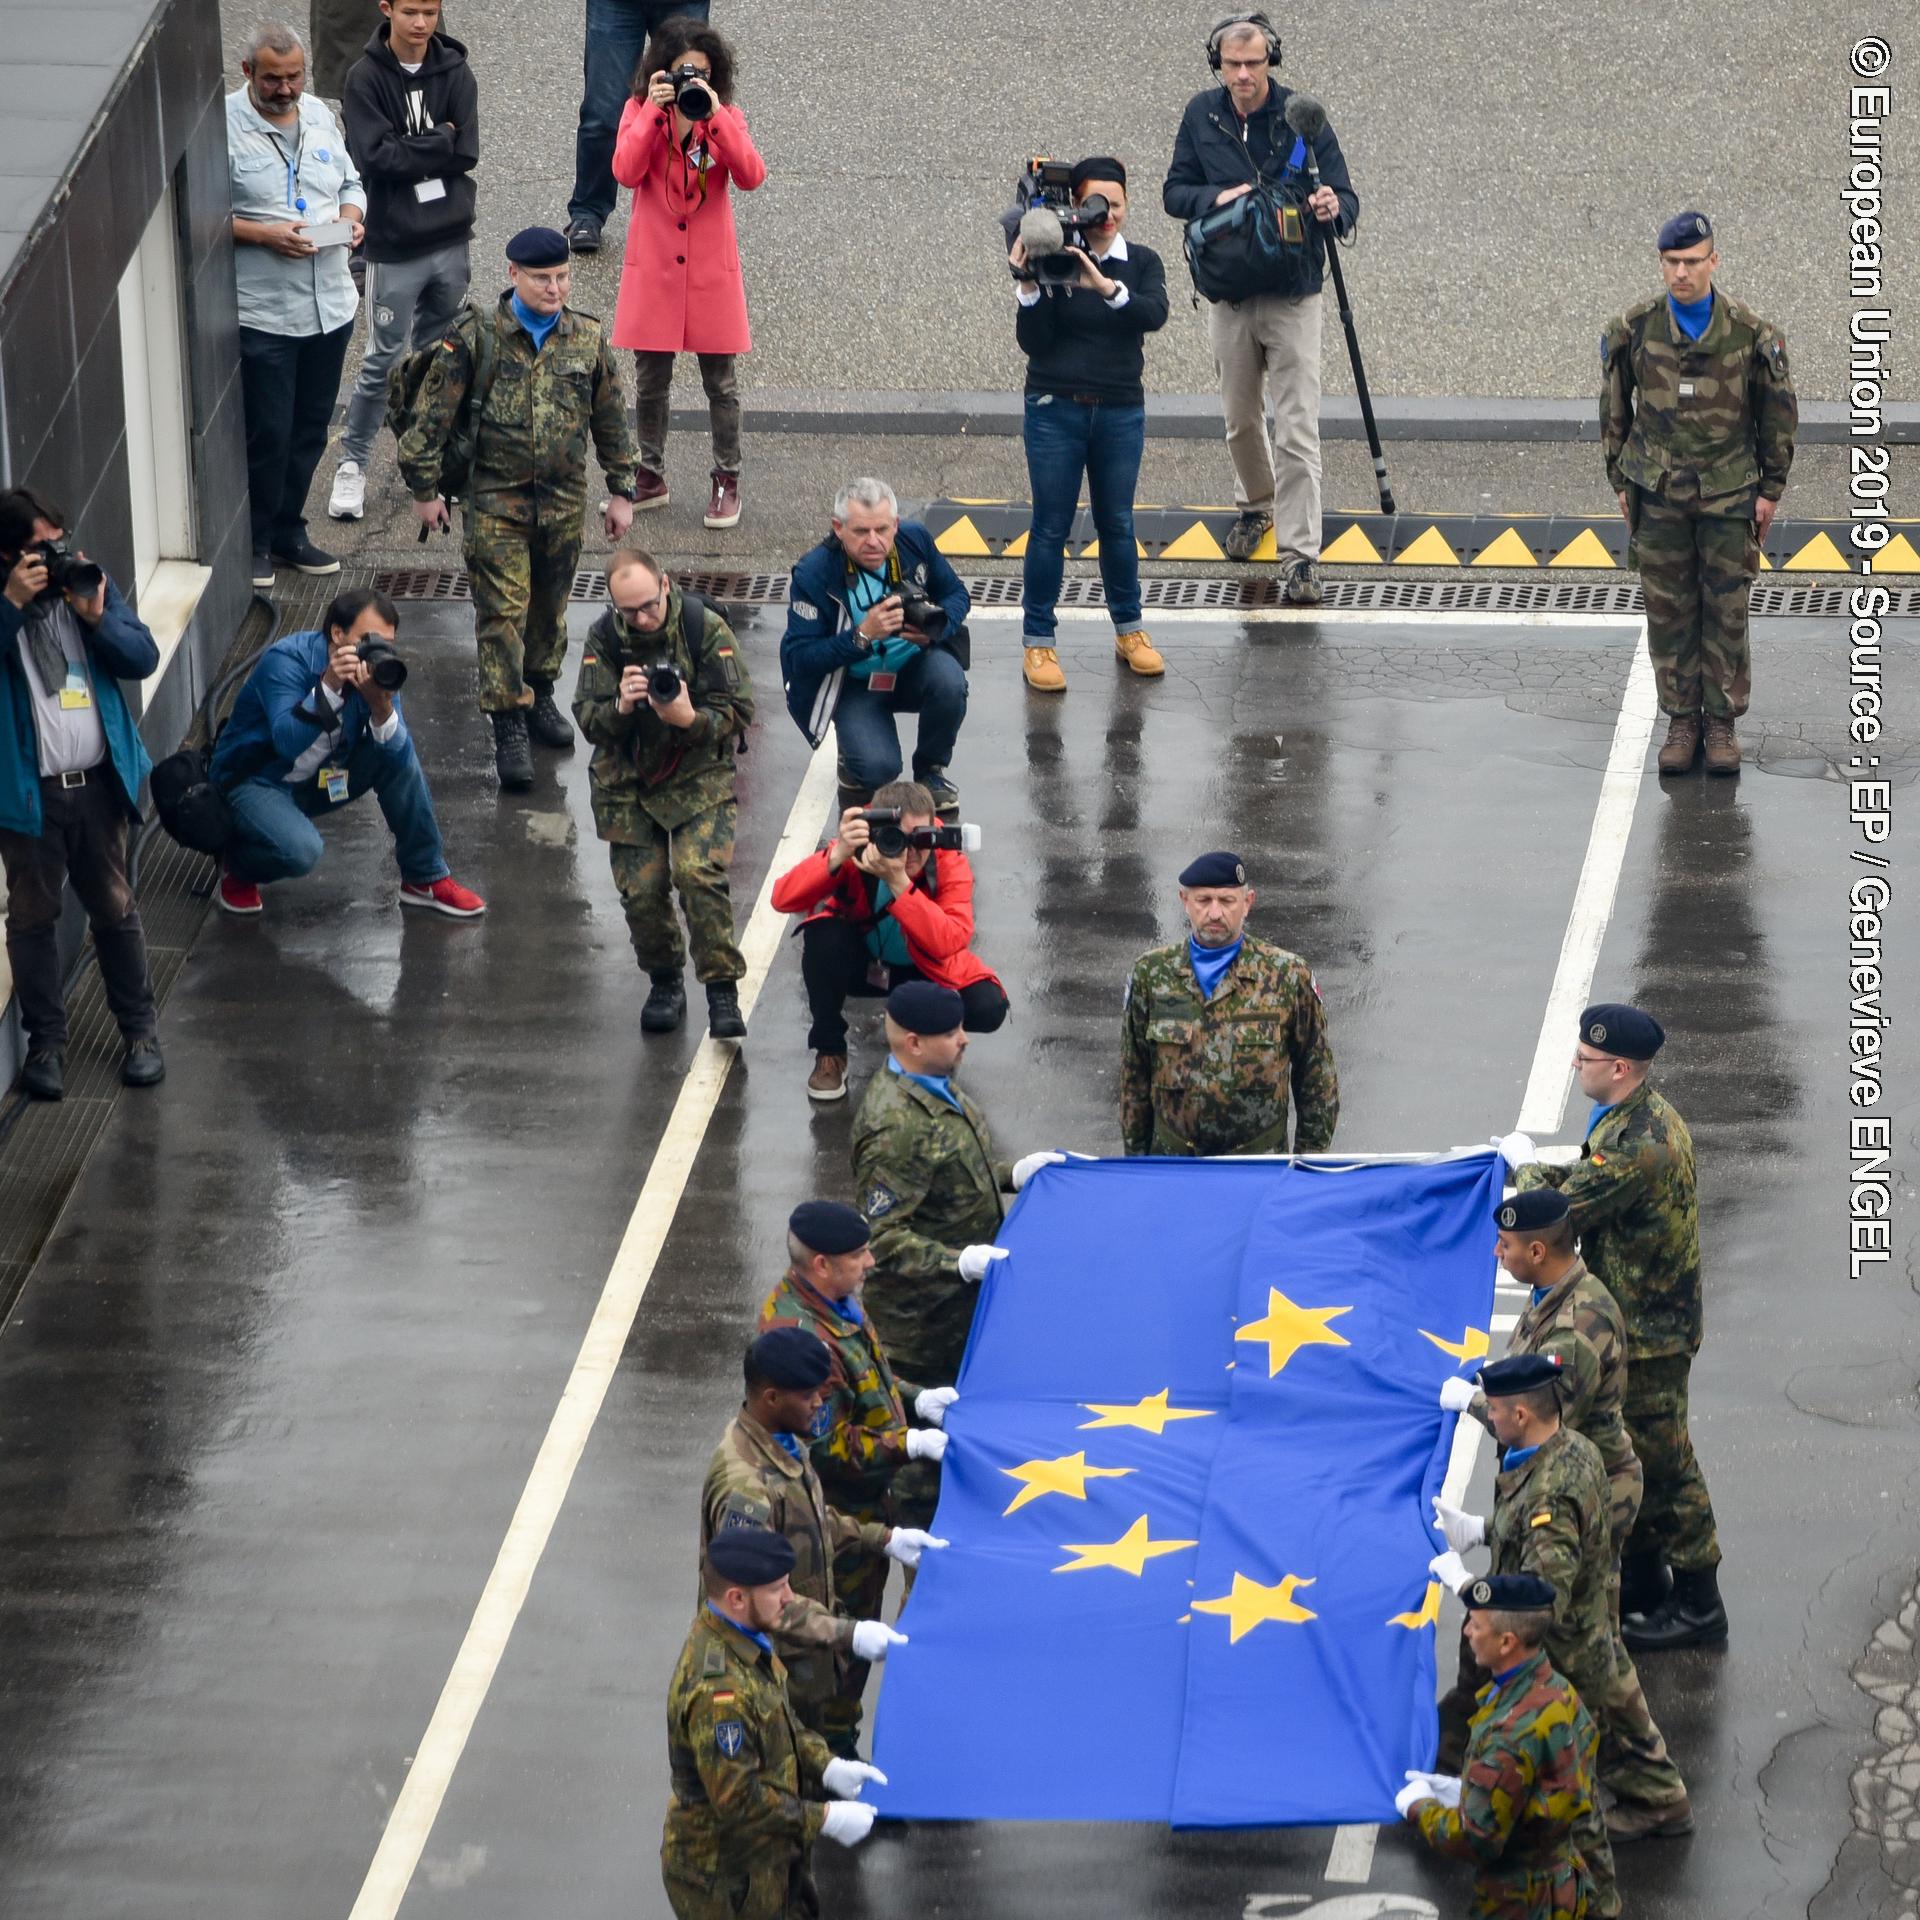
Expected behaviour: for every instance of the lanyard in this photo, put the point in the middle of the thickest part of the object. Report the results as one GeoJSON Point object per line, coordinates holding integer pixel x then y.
{"type": "Point", "coordinates": [295, 198]}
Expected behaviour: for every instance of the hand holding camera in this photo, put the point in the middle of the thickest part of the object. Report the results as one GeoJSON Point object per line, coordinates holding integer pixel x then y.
{"type": "Point", "coordinates": [883, 620]}
{"type": "Point", "coordinates": [688, 90]}
{"type": "Point", "coordinates": [662, 687]}
{"type": "Point", "coordinates": [28, 580]}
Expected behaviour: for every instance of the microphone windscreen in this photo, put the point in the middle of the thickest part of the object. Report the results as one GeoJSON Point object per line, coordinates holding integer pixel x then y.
{"type": "Point", "coordinates": [1306, 116]}
{"type": "Point", "coordinates": [1041, 232]}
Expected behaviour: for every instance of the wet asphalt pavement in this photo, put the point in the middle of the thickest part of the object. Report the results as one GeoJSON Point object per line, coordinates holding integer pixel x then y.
{"type": "Point", "coordinates": [270, 1397]}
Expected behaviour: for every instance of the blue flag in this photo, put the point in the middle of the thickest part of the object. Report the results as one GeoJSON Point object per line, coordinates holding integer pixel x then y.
{"type": "Point", "coordinates": [1188, 1499]}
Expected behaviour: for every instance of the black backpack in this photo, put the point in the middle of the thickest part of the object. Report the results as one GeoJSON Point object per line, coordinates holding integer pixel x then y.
{"type": "Point", "coordinates": [191, 808]}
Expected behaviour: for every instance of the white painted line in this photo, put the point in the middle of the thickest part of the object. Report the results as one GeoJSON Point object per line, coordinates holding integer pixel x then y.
{"type": "Point", "coordinates": [1332, 616]}
{"type": "Point", "coordinates": [1351, 1860]}
{"type": "Point", "coordinates": [419, 1801]}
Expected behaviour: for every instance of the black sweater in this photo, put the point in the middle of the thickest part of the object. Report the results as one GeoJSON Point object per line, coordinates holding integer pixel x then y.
{"type": "Point", "coordinates": [399, 134]}
{"type": "Point", "coordinates": [1076, 343]}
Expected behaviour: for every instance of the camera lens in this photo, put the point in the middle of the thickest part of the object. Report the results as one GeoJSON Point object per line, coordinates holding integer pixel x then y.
{"type": "Point", "coordinates": [663, 682]}
{"type": "Point", "coordinates": [889, 840]}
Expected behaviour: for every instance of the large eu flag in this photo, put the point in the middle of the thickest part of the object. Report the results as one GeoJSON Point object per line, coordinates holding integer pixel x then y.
{"type": "Point", "coordinates": [1188, 1498]}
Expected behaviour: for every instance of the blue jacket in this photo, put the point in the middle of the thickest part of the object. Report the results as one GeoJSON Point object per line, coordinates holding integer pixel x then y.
{"type": "Point", "coordinates": [819, 643]}
{"type": "Point", "coordinates": [120, 648]}
{"type": "Point", "coordinates": [281, 712]}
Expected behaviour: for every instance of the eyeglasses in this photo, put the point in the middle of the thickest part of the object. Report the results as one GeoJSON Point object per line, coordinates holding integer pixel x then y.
{"type": "Point", "coordinates": [643, 606]}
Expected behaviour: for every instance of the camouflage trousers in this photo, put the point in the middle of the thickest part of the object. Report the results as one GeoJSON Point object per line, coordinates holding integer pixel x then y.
{"type": "Point", "coordinates": [1676, 1515]}
{"type": "Point", "coordinates": [774, 1890]}
{"type": "Point", "coordinates": [693, 861]}
{"type": "Point", "coordinates": [1625, 1490]}
{"type": "Point", "coordinates": [1696, 570]}
{"type": "Point", "coordinates": [520, 577]}
{"type": "Point", "coordinates": [859, 1590]}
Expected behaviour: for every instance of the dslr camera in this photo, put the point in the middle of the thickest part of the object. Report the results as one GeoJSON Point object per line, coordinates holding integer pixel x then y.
{"type": "Point", "coordinates": [66, 571]}
{"type": "Point", "coordinates": [664, 681]}
{"type": "Point", "coordinates": [920, 611]}
{"type": "Point", "coordinates": [1045, 217]}
{"type": "Point", "coordinates": [890, 839]}
{"type": "Point", "coordinates": [384, 666]}
{"type": "Point", "coordinates": [693, 93]}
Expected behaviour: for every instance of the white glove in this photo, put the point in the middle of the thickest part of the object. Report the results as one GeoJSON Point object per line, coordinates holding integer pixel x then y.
{"type": "Point", "coordinates": [1516, 1149]}
{"type": "Point", "coordinates": [907, 1544]}
{"type": "Point", "coordinates": [847, 1821]}
{"type": "Point", "coordinates": [1445, 1787]}
{"type": "Point", "coordinates": [1456, 1394]}
{"type": "Point", "coordinates": [1025, 1168]}
{"type": "Point", "coordinates": [974, 1261]}
{"type": "Point", "coordinates": [843, 1779]}
{"type": "Point", "coordinates": [1449, 1569]}
{"type": "Point", "coordinates": [1463, 1529]}
{"type": "Point", "coordinates": [925, 1443]}
{"type": "Point", "coordinates": [931, 1404]}
{"type": "Point", "coordinates": [874, 1639]}
{"type": "Point", "coordinates": [1411, 1794]}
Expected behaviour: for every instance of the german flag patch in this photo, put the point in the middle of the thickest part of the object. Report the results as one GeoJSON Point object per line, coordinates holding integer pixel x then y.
{"type": "Point", "coordinates": [1541, 1520]}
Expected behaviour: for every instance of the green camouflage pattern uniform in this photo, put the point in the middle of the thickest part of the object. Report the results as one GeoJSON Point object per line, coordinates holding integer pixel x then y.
{"type": "Point", "coordinates": [748, 1800]}
{"type": "Point", "coordinates": [1694, 430]}
{"type": "Point", "coordinates": [1200, 1076]}
{"type": "Point", "coordinates": [1527, 1808]}
{"type": "Point", "coordinates": [663, 796]}
{"type": "Point", "coordinates": [526, 504]}
{"type": "Point", "coordinates": [1635, 1209]}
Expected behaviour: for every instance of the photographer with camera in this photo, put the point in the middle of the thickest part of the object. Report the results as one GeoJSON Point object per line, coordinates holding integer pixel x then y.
{"type": "Point", "coordinates": [71, 764]}
{"type": "Point", "coordinates": [888, 899]}
{"type": "Point", "coordinates": [665, 698]}
{"type": "Point", "coordinates": [317, 724]}
{"type": "Point", "coordinates": [1086, 408]}
{"type": "Point", "coordinates": [683, 145]}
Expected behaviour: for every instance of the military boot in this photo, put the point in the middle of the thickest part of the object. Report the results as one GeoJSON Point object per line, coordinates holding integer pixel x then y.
{"type": "Point", "coordinates": [545, 722]}
{"type": "Point", "coordinates": [1682, 743]}
{"type": "Point", "coordinates": [1723, 746]}
{"type": "Point", "coordinates": [725, 1021]}
{"type": "Point", "coordinates": [512, 751]}
{"type": "Point", "coordinates": [1644, 1583]}
{"type": "Point", "coordinates": [666, 1005]}
{"type": "Point", "coordinates": [1631, 1820]}
{"type": "Point", "coordinates": [1691, 1615]}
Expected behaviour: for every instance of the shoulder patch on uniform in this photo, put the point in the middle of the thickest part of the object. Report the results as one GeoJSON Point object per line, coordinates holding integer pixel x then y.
{"type": "Point", "coordinates": [822, 1421]}
{"type": "Point", "coordinates": [735, 1517]}
{"type": "Point", "coordinates": [722, 1699]}
{"type": "Point", "coordinates": [714, 1662]}
{"type": "Point", "coordinates": [1606, 353]}
{"type": "Point", "coordinates": [879, 1200]}
{"type": "Point", "coordinates": [589, 659]}
{"type": "Point", "coordinates": [1777, 356]}
{"type": "Point", "coordinates": [730, 1736]}
{"type": "Point", "coordinates": [1542, 1519]}
{"type": "Point", "coordinates": [806, 610]}
{"type": "Point", "coordinates": [449, 346]}
{"type": "Point", "coordinates": [1598, 1159]}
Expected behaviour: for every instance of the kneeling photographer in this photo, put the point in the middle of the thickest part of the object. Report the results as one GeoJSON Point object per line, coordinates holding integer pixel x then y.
{"type": "Point", "coordinates": [1087, 301]}
{"type": "Point", "coordinates": [888, 899]}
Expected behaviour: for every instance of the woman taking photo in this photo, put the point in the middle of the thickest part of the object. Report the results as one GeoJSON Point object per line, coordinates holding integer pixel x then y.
{"type": "Point", "coordinates": [682, 146]}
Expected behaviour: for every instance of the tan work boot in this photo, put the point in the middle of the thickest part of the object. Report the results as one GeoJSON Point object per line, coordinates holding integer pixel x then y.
{"type": "Point", "coordinates": [1140, 654]}
{"type": "Point", "coordinates": [1630, 1820]}
{"type": "Point", "coordinates": [828, 1080]}
{"type": "Point", "coordinates": [1682, 743]}
{"type": "Point", "coordinates": [1043, 671]}
{"type": "Point", "coordinates": [1723, 747]}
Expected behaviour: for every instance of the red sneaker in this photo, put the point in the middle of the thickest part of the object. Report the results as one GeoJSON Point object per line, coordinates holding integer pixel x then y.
{"type": "Point", "coordinates": [649, 491]}
{"type": "Point", "coordinates": [236, 895]}
{"type": "Point", "coordinates": [446, 896]}
{"type": "Point", "coordinates": [723, 507]}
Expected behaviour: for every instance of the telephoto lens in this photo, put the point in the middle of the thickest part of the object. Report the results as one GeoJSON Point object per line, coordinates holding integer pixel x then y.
{"type": "Point", "coordinates": [664, 682]}
{"type": "Point", "coordinates": [693, 94]}
{"type": "Point", "coordinates": [384, 666]}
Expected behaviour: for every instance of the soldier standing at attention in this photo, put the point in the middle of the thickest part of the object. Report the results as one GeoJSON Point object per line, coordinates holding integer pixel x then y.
{"type": "Point", "coordinates": [541, 380]}
{"type": "Point", "coordinates": [1214, 1029]}
{"type": "Point", "coordinates": [1697, 416]}
{"type": "Point", "coordinates": [747, 1777]}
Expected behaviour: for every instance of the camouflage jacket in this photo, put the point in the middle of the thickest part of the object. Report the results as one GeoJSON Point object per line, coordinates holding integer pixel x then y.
{"type": "Point", "coordinates": [861, 1435]}
{"type": "Point", "coordinates": [1204, 1076]}
{"type": "Point", "coordinates": [743, 1767]}
{"type": "Point", "coordinates": [1705, 422]}
{"type": "Point", "coordinates": [1632, 1196]}
{"type": "Point", "coordinates": [925, 1176]}
{"type": "Point", "coordinates": [642, 768]}
{"type": "Point", "coordinates": [530, 453]}
{"type": "Point", "coordinates": [1526, 1783]}
{"type": "Point", "coordinates": [1550, 1520]}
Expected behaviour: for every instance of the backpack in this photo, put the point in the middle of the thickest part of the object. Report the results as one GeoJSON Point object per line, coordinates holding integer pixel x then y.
{"type": "Point", "coordinates": [191, 808]}
{"type": "Point", "coordinates": [408, 378]}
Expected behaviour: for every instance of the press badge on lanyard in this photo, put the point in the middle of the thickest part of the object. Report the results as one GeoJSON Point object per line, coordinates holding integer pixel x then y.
{"type": "Point", "coordinates": [76, 696]}
{"type": "Point", "coordinates": [883, 682]}
{"type": "Point", "coordinates": [333, 783]}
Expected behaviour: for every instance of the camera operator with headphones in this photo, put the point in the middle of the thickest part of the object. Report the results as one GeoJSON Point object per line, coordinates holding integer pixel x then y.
{"type": "Point", "coordinates": [1234, 140]}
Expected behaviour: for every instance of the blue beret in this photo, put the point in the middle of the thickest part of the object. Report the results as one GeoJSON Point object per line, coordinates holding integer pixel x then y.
{"type": "Point", "coordinates": [790, 1358]}
{"type": "Point", "coordinates": [1215, 870]}
{"type": "Point", "coordinates": [538, 247]}
{"type": "Point", "coordinates": [1518, 1373]}
{"type": "Point", "coordinates": [1623, 1031]}
{"type": "Point", "coordinates": [751, 1556]}
{"type": "Point", "coordinates": [1525, 1212]}
{"type": "Point", "coordinates": [829, 1226]}
{"type": "Point", "coordinates": [1685, 230]}
{"type": "Point", "coordinates": [1511, 1593]}
{"type": "Point", "coordinates": [922, 1007]}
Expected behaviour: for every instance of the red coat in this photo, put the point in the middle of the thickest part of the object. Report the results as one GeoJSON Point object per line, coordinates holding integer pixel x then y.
{"type": "Point", "coordinates": [680, 288]}
{"type": "Point", "coordinates": [938, 924]}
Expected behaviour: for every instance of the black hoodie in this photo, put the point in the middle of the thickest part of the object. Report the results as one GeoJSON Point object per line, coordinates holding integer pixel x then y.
{"type": "Point", "coordinates": [399, 134]}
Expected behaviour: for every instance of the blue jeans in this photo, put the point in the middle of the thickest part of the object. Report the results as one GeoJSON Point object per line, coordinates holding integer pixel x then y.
{"type": "Point", "coordinates": [275, 839]}
{"type": "Point", "coordinates": [1065, 439]}
{"type": "Point", "coordinates": [617, 34]}
{"type": "Point", "coordinates": [933, 685]}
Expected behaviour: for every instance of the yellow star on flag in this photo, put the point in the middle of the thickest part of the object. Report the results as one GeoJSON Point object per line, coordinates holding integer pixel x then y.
{"type": "Point", "coordinates": [1251, 1605]}
{"type": "Point", "coordinates": [1429, 1611]}
{"type": "Point", "coordinates": [1129, 1554]}
{"type": "Point", "coordinates": [1472, 1344]}
{"type": "Point", "coordinates": [1069, 1475]}
{"type": "Point", "coordinates": [1287, 1328]}
{"type": "Point", "coordinates": [1150, 1415]}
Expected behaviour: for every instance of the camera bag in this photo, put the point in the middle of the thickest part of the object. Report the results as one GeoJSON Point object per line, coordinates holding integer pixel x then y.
{"type": "Point", "coordinates": [191, 808]}
{"type": "Point", "coordinates": [1255, 244]}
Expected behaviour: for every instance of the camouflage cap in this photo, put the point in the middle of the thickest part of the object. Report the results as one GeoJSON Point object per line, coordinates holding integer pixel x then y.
{"type": "Point", "coordinates": [1509, 1593]}
{"type": "Point", "coordinates": [1622, 1031]}
{"type": "Point", "coordinates": [1685, 230]}
{"type": "Point", "coordinates": [1525, 1212]}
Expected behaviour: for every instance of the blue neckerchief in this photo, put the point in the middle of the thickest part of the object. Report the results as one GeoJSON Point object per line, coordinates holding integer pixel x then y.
{"type": "Point", "coordinates": [849, 1309]}
{"type": "Point", "coordinates": [1599, 1113]}
{"type": "Point", "coordinates": [1691, 316]}
{"type": "Point", "coordinates": [934, 1084]}
{"type": "Point", "coordinates": [538, 325]}
{"type": "Point", "coordinates": [788, 1445]}
{"type": "Point", "coordinates": [1540, 1293]}
{"type": "Point", "coordinates": [1519, 1456]}
{"type": "Point", "coordinates": [1211, 963]}
{"type": "Point", "coordinates": [1501, 1679]}
{"type": "Point", "coordinates": [760, 1640]}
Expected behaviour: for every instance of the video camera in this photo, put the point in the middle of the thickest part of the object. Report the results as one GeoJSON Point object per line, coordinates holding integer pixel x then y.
{"type": "Point", "coordinates": [66, 571]}
{"type": "Point", "coordinates": [890, 839]}
{"type": "Point", "coordinates": [1045, 217]}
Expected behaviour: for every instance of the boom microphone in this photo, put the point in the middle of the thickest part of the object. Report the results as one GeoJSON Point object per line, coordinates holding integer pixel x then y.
{"type": "Point", "coordinates": [1306, 116]}
{"type": "Point", "coordinates": [1041, 232]}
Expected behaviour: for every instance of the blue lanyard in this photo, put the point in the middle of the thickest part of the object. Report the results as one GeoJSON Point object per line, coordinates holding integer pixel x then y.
{"type": "Point", "coordinates": [295, 199]}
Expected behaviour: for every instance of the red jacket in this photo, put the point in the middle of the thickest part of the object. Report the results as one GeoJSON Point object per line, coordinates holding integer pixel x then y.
{"type": "Point", "coordinates": [935, 914]}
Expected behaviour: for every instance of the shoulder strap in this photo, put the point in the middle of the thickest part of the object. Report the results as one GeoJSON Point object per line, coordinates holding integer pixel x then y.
{"type": "Point", "coordinates": [486, 341]}
{"type": "Point", "coordinates": [693, 624]}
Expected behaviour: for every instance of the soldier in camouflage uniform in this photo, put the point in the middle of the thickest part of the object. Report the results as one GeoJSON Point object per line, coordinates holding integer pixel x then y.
{"type": "Point", "coordinates": [1522, 1808]}
{"type": "Point", "coordinates": [1215, 1027]}
{"type": "Point", "coordinates": [553, 388]}
{"type": "Point", "coordinates": [662, 779]}
{"type": "Point", "coordinates": [1634, 1207]}
{"type": "Point", "coordinates": [1697, 418]}
{"type": "Point", "coordinates": [748, 1778]}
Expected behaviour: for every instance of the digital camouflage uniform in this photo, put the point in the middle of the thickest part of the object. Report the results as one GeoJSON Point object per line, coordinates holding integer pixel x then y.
{"type": "Point", "coordinates": [742, 1821]}
{"type": "Point", "coordinates": [753, 1481]}
{"type": "Point", "coordinates": [663, 796]}
{"type": "Point", "coordinates": [526, 504]}
{"type": "Point", "coordinates": [1200, 1076]}
{"type": "Point", "coordinates": [1634, 1207]}
{"type": "Point", "coordinates": [1693, 431]}
{"type": "Point", "coordinates": [1527, 1808]}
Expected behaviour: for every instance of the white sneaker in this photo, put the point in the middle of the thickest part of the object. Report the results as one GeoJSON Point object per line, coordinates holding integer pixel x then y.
{"type": "Point", "coordinates": [349, 501]}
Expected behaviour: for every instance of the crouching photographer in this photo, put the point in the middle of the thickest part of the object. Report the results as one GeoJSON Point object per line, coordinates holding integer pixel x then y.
{"type": "Point", "coordinates": [888, 899]}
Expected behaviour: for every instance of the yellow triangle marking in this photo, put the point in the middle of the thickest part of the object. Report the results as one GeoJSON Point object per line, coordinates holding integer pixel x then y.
{"type": "Point", "coordinates": [1267, 549]}
{"type": "Point", "coordinates": [1353, 548]}
{"type": "Point", "coordinates": [1091, 551]}
{"type": "Point", "coordinates": [1015, 549]}
{"type": "Point", "coordinates": [963, 537]}
{"type": "Point", "coordinates": [1430, 550]}
{"type": "Point", "coordinates": [1897, 556]}
{"type": "Point", "coordinates": [1819, 555]}
{"type": "Point", "coordinates": [1585, 549]}
{"type": "Point", "coordinates": [1195, 544]}
{"type": "Point", "coordinates": [1507, 551]}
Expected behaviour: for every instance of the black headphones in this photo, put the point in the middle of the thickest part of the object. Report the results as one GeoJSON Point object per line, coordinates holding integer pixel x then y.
{"type": "Point", "coordinates": [1222, 27]}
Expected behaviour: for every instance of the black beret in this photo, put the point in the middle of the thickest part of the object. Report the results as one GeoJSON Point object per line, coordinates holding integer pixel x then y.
{"type": "Point", "coordinates": [829, 1226]}
{"type": "Point", "coordinates": [1510, 1593]}
{"type": "Point", "coordinates": [1518, 1373]}
{"type": "Point", "coordinates": [538, 247]}
{"type": "Point", "coordinates": [1621, 1030]}
{"type": "Point", "coordinates": [923, 1007]}
{"type": "Point", "coordinates": [751, 1556]}
{"type": "Point", "coordinates": [1526, 1212]}
{"type": "Point", "coordinates": [1215, 870]}
{"type": "Point", "coordinates": [1685, 230]}
{"type": "Point", "coordinates": [1098, 166]}
{"type": "Point", "coordinates": [790, 1358]}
